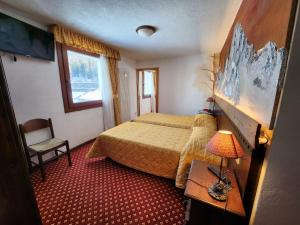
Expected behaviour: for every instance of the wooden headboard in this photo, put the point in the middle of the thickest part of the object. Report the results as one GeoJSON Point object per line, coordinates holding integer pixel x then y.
{"type": "Point", "coordinates": [247, 169]}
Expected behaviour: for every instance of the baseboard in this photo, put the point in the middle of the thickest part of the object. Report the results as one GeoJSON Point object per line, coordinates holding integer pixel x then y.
{"type": "Point", "coordinates": [84, 143]}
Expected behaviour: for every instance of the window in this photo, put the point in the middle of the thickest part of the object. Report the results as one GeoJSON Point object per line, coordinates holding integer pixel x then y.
{"type": "Point", "coordinates": [147, 83]}
{"type": "Point", "coordinates": [80, 78]}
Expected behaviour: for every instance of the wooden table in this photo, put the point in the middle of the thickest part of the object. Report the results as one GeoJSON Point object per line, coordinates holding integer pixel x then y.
{"type": "Point", "coordinates": [202, 208]}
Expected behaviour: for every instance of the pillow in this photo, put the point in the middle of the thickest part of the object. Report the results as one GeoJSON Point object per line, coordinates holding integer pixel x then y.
{"type": "Point", "coordinates": [205, 120]}
{"type": "Point", "coordinates": [195, 149]}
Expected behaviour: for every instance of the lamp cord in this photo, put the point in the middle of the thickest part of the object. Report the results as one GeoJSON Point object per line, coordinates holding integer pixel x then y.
{"type": "Point", "coordinates": [201, 185]}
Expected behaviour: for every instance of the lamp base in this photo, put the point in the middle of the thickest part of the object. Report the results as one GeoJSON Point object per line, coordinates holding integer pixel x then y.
{"type": "Point", "coordinates": [224, 178]}
{"type": "Point", "coordinates": [218, 191]}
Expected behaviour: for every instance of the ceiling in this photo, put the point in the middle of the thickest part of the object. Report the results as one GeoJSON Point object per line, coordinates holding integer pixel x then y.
{"type": "Point", "coordinates": [185, 27]}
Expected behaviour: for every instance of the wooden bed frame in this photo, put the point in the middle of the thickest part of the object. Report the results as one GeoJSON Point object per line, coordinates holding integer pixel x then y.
{"type": "Point", "coordinates": [247, 170]}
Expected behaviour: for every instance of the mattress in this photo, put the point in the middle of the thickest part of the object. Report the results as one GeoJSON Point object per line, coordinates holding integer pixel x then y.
{"type": "Point", "coordinates": [179, 121]}
{"type": "Point", "coordinates": [146, 147]}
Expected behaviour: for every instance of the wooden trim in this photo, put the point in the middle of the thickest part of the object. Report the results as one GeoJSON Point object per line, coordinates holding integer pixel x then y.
{"type": "Point", "coordinates": [157, 89]}
{"type": "Point", "coordinates": [75, 106]}
{"type": "Point", "coordinates": [146, 96]}
{"type": "Point", "coordinates": [257, 160]}
{"type": "Point", "coordinates": [51, 128]}
{"type": "Point", "coordinates": [61, 76]}
{"type": "Point", "coordinates": [64, 72]}
{"type": "Point", "coordinates": [284, 64]}
{"type": "Point", "coordinates": [84, 143]}
{"type": "Point", "coordinates": [249, 129]}
{"type": "Point", "coordinates": [138, 92]}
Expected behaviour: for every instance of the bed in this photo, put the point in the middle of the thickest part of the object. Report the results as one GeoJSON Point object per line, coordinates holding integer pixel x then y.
{"type": "Point", "coordinates": [146, 147]}
{"type": "Point", "coordinates": [154, 149]}
{"type": "Point", "coordinates": [179, 121]}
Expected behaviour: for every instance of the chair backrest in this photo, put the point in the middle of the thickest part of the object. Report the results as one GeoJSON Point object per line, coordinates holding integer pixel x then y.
{"type": "Point", "coordinates": [33, 125]}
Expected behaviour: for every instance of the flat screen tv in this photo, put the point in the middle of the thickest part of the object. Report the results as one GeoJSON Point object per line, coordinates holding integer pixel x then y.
{"type": "Point", "coordinates": [21, 38]}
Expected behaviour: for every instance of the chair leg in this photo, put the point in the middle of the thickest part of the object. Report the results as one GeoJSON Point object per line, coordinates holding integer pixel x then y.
{"type": "Point", "coordinates": [68, 153]}
{"type": "Point", "coordinates": [56, 153]}
{"type": "Point", "coordinates": [29, 166]}
{"type": "Point", "coordinates": [28, 158]}
{"type": "Point", "coordinates": [41, 164]}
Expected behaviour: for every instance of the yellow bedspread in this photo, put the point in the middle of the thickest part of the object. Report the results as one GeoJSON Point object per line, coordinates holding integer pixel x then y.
{"type": "Point", "coordinates": [159, 150]}
{"type": "Point", "coordinates": [195, 149]}
{"type": "Point", "coordinates": [145, 147]}
{"type": "Point", "coordinates": [169, 120]}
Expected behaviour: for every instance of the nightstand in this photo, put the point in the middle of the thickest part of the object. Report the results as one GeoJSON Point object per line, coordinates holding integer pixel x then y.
{"type": "Point", "coordinates": [202, 208]}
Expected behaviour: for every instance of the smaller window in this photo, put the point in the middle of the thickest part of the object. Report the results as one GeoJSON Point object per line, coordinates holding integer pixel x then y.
{"type": "Point", "coordinates": [80, 78]}
{"type": "Point", "coordinates": [147, 81]}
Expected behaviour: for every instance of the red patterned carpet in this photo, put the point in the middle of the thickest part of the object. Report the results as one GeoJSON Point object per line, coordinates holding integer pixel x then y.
{"type": "Point", "coordinates": [94, 192]}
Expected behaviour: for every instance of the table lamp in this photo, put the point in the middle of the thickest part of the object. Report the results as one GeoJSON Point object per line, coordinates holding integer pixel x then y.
{"type": "Point", "coordinates": [211, 102]}
{"type": "Point", "coordinates": [225, 145]}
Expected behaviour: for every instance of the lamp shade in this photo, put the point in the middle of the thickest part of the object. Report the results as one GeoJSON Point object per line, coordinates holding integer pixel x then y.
{"type": "Point", "coordinates": [210, 99]}
{"type": "Point", "coordinates": [225, 144]}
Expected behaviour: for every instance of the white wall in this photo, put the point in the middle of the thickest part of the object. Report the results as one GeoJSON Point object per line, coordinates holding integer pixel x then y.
{"type": "Point", "coordinates": [182, 84]}
{"type": "Point", "coordinates": [279, 197]}
{"type": "Point", "coordinates": [35, 91]}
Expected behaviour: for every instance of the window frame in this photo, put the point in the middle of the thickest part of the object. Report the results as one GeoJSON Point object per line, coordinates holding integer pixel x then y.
{"type": "Point", "coordinates": [65, 80]}
{"type": "Point", "coordinates": [144, 96]}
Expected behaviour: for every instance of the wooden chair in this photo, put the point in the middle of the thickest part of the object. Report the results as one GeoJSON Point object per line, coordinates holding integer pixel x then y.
{"type": "Point", "coordinates": [43, 147]}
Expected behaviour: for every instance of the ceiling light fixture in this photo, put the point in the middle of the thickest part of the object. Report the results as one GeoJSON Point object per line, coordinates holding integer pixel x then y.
{"type": "Point", "coordinates": [145, 30]}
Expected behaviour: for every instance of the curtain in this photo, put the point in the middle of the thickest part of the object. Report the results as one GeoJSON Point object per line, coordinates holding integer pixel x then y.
{"type": "Point", "coordinates": [114, 78]}
{"type": "Point", "coordinates": [71, 38]}
{"type": "Point", "coordinates": [154, 89]}
{"type": "Point", "coordinates": [107, 94]}
{"type": "Point", "coordinates": [155, 80]}
{"type": "Point", "coordinates": [124, 96]}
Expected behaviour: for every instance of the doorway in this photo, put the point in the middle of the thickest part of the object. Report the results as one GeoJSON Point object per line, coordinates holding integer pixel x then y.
{"type": "Point", "coordinates": [147, 90]}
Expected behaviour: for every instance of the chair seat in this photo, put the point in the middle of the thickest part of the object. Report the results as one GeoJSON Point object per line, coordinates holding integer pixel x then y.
{"type": "Point", "coordinates": [47, 144]}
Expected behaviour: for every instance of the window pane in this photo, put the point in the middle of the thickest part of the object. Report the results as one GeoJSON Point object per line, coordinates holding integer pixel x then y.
{"type": "Point", "coordinates": [85, 79]}
{"type": "Point", "coordinates": [147, 82]}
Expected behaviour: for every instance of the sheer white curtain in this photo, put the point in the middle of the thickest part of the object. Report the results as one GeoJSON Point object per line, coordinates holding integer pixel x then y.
{"type": "Point", "coordinates": [107, 95]}
{"type": "Point", "coordinates": [124, 96]}
{"type": "Point", "coordinates": [153, 93]}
